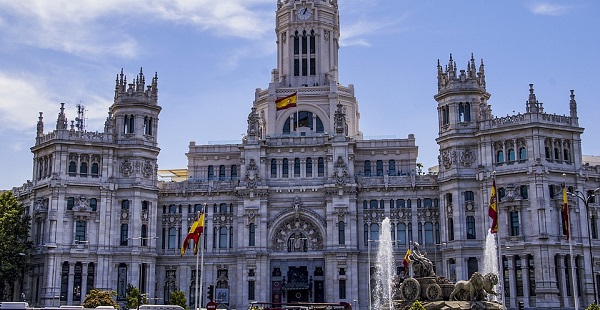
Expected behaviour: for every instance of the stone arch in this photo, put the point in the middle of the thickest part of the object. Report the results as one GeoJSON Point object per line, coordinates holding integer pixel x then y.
{"type": "Point", "coordinates": [297, 231]}
{"type": "Point", "coordinates": [285, 115]}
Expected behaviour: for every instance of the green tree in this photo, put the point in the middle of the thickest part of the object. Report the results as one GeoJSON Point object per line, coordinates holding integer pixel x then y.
{"type": "Point", "coordinates": [97, 298]}
{"type": "Point", "coordinates": [135, 297]}
{"type": "Point", "coordinates": [593, 306]}
{"type": "Point", "coordinates": [416, 306]}
{"type": "Point", "coordinates": [178, 298]}
{"type": "Point", "coordinates": [14, 246]}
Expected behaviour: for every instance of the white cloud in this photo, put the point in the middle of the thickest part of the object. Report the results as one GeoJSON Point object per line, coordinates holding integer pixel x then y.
{"type": "Point", "coordinates": [549, 9]}
{"type": "Point", "coordinates": [94, 28]}
{"type": "Point", "coordinates": [355, 33]}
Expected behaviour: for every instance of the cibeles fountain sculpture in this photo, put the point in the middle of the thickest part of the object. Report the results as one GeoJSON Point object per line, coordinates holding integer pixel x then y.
{"type": "Point", "coordinates": [433, 291]}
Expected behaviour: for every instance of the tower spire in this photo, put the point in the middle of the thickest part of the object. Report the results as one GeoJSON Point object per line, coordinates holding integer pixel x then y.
{"type": "Point", "coordinates": [573, 105]}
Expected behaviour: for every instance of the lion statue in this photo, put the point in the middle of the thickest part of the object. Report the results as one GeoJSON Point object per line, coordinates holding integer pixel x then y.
{"type": "Point", "coordinates": [472, 290]}
{"type": "Point", "coordinates": [489, 281]}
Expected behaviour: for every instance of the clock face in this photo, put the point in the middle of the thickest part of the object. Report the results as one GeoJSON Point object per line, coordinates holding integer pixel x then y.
{"type": "Point", "coordinates": [303, 13]}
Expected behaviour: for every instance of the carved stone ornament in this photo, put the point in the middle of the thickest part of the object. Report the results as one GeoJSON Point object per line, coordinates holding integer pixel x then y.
{"type": "Point", "coordinates": [296, 234]}
{"type": "Point", "coordinates": [147, 169]}
{"type": "Point", "coordinates": [82, 204]}
{"type": "Point", "coordinates": [340, 119]}
{"type": "Point", "coordinates": [447, 158]}
{"type": "Point", "coordinates": [126, 168]}
{"type": "Point", "coordinates": [252, 174]}
{"type": "Point", "coordinates": [467, 157]}
{"type": "Point", "coordinates": [253, 124]}
{"type": "Point", "coordinates": [340, 171]}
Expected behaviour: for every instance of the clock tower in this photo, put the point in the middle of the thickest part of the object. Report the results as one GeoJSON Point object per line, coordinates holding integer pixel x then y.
{"type": "Point", "coordinates": [308, 35]}
{"type": "Point", "coordinates": [306, 75]}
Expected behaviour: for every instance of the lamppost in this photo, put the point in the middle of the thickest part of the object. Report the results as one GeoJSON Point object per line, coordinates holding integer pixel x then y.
{"type": "Point", "coordinates": [586, 199]}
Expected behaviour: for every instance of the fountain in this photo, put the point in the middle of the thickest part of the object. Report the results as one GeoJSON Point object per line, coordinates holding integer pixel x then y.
{"type": "Point", "coordinates": [386, 268]}
{"type": "Point", "coordinates": [434, 292]}
{"type": "Point", "coordinates": [490, 257]}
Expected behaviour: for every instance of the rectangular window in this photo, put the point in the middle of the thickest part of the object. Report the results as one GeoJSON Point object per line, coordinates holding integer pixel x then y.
{"type": "Point", "coordinates": [469, 196]}
{"type": "Point", "coordinates": [125, 204]}
{"type": "Point", "coordinates": [297, 167]}
{"type": "Point", "coordinates": [309, 167]}
{"type": "Point", "coordinates": [471, 227]}
{"type": "Point", "coordinates": [286, 168]}
{"type": "Point", "coordinates": [70, 203]}
{"type": "Point", "coordinates": [342, 288]}
{"type": "Point", "coordinates": [296, 67]}
{"type": "Point", "coordinates": [251, 290]}
{"type": "Point", "coordinates": [313, 66]}
{"type": "Point", "coordinates": [342, 233]}
{"type": "Point", "coordinates": [531, 275]}
{"type": "Point", "coordinates": [80, 231]}
{"type": "Point", "coordinates": [514, 223]}
{"type": "Point", "coordinates": [379, 166]}
{"type": "Point", "coordinates": [392, 167]}
{"type": "Point", "coordinates": [304, 67]}
{"type": "Point", "coordinates": [252, 234]}
{"type": "Point", "coordinates": [519, 276]}
{"type": "Point", "coordinates": [321, 167]}
{"type": "Point", "coordinates": [367, 169]}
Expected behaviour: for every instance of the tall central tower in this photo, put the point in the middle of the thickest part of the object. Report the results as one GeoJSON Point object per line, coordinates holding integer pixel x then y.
{"type": "Point", "coordinates": [308, 41]}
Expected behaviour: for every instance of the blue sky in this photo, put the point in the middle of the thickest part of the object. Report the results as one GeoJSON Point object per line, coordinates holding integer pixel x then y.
{"type": "Point", "coordinates": [211, 55]}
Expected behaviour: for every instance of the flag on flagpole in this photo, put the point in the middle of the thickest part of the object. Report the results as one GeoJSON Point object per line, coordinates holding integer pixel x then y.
{"type": "Point", "coordinates": [194, 234]}
{"type": "Point", "coordinates": [286, 102]}
{"type": "Point", "coordinates": [565, 213]}
{"type": "Point", "coordinates": [406, 261]}
{"type": "Point", "coordinates": [493, 209]}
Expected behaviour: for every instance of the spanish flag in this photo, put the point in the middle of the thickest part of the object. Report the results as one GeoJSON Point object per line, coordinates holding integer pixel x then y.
{"type": "Point", "coordinates": [286, 102]}
{"type": "Point", "coordinates": [565, 213]}
{"type": "Point", "coordinates": [493, 210]}
{"type": "Point", "coordinates": [406, 261]}
{"type": "Point", "coordinates": [194, 234]}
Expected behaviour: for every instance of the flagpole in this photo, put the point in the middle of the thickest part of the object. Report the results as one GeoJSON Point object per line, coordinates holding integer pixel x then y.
{"type": "Point", "coordinates": [499, 246]}
{"type": "Point", "coordinates": [197, 274]}
{"type": "Point", "coordinates": [201, 244]}
{"type": "Point", "coordinates": [297, 113]}
{"type": "Point", "coordinates": [574, 279]}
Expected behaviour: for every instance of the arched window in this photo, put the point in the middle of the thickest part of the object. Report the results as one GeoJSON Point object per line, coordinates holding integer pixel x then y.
{"type": "Point", "coordinates": [309, 167]}
{"type": "Point", "coordinates": [251, 234]}
{"type": "Point", "coordinates": [211, 172]}
{"type": "Point", "coordinates": [464, 112]}
{"type": "Point", "coordinates": [144, 232]}
{"type": "Point", "coordinates": [305, 119]}
{"type": "Point", "coordinates": [450, 229]}
{"type": "Point", "coordinates": [522, 153]}
{"type": "Point", "coordinates": [234, 172]}
{"type": "Point", "coordinates": [72, 169]}
{"type": "Point", "coordinates": [95, 170]}
{"type": "Point", "coordinates": [365, 204]}
{"type": "Point", "coordinates": [341, 233]}
{"type": "Point", "coordinates": [556, 153]}
{"type": "Point", "coordinates": [321, 167]}
{"type": "Point", "coordinates": [427, 203]}
{"type": "Point", "coordinates": [547, 152]}
{"type": "Point", "coordinates": [286, 168]}
{"type": "Point", "coordinates": [273, 168]}
{"type": "Point", "coordinates": [566, 155]}
{"type": "Point", "coordinates": [124, 234]}
{"type": "Point", "coordinates": [296, 167]}
{"type": "Point", "coordinates": [471, 227]}
{"type": "Point", "coordinates": [131, 124]}
{"type": "Point", "coordinates": [125, 204]}
{"type": "Point", "coordinates": [379, 165]}
{"type": "Point", "coordinates": [511, 155]}
{"type": "Point", "coordinates": [499, 157]}
{"type": "Point", "coordinates": [222, 172]}
{"type": "Point", "coordinates": [367, 168]}
{"type": "Point", "coordinates": [83, 169]}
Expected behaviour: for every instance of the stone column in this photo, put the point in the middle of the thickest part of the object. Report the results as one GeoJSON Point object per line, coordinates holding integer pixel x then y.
{"type": "Point", "coordinates": [525, 272]}
{"type": "Point", "coordinates": [70, 283]}
{"type": "Point", "coordinates": [512, 285]}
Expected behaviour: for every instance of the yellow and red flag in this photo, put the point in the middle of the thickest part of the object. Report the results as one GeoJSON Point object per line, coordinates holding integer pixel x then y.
{"type": "Point", "coordinates": [493, 209]}
{"type": "Point", "coordinates": [286, 102]}
{"type": "Point", "coordinates": [406, 261]}
{"type": "Point", "coordinates": [565, 213]}
{"type": "Point", "coordinates": [194, 234]}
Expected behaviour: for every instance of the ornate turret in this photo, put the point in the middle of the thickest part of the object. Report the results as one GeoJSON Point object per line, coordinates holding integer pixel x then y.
{"type": "Point", "coordinates": [40, 125]}
{"type": "Point", "coordinates": [137, 90]}
{"type": "Point", "coordinates": [573, 105]}
{"type": "Point", "coordinates": [449, 81]}
{"type": "Point", "coordinates": [533, 105]}
{"type": "Point", "coordinates": [61, 120]}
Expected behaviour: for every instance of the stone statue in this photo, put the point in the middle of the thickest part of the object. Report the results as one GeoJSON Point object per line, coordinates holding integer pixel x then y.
{"type": "Point", "coordinates": [422, 266]}
{"type": "Point", "coordinates": [472, 290]}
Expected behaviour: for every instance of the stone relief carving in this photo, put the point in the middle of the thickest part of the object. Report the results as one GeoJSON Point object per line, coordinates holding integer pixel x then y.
{"type": "Point", "coordinates": [252, 176]}
{"type": "Point", "coordinates": [448, 158]}
{"type": "Point", "coordinates": [296, 234]}
{"type": "Point", "coordinates": [126, 168]}
{"type": "Point", "coordinates": [147, 169]}
{"type": "Point", "coordinates": [467, 157]}
{"type": "Point", "coordinates": [340, 171]}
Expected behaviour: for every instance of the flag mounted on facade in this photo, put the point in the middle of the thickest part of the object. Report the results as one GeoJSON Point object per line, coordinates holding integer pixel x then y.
{"type": "Point", "coordinates": [493, 210]}
{"type": "Point", "coordinates": [194, 234]}
{"type": "Point", "coordinates": [286, 102]}
{"type": "Point", "coordinates": [565, 214]}
{"type": "Point", "coordinates": [406, 261]}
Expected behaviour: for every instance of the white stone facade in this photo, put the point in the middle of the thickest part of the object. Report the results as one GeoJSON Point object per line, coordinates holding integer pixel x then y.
{"type": "Point", "coordinates": [292, 208]}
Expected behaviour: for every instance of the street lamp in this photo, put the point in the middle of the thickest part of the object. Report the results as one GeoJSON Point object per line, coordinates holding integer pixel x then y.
{"type": "Point", "coordinates": [586, 201]}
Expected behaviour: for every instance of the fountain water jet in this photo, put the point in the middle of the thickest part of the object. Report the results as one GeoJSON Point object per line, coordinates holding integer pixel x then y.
{"type": "Point", "coordinates": [385, 269]}
{"type": "Point", "coordinates": [490, 256]}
